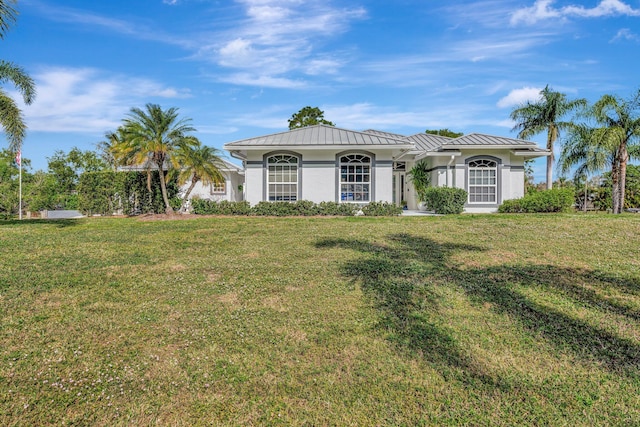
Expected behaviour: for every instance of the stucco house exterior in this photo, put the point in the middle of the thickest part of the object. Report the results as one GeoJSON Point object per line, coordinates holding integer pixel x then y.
{"type": "Point", "coordinates": [326, 163]}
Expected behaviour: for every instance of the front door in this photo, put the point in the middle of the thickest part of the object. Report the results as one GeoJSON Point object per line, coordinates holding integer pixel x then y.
{"type": "Point", "coordinates": [398, 188]}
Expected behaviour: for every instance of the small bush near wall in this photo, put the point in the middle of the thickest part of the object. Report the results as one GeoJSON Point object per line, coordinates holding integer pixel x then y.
{"type": "Point", "coordinates": [555, 200]}
{"type": "Point", "coordinates": [381, 209]}
{"type": "Point", "coordinates": [336, 209]}
{"type": "Point", "coordinates": [224, 207]}
{"type": "Point", "coordinates": [445, 200]}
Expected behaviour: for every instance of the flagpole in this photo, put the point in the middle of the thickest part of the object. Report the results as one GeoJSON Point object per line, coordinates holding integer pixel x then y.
{"type": "Point", "coordinates": [19, 158]}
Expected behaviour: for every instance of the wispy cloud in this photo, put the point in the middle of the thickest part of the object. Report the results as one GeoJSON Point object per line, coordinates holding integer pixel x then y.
{"type": "Point", "coordinates": [88, 100]}
{"type": "Point", "coordinates": [543, 10]}
{"type": "Point", "coordinates": [625, 34]}
{"type": "Point", "coordinates": [277, 39]}
{"type": "Point", "coordinates": [120, 26]}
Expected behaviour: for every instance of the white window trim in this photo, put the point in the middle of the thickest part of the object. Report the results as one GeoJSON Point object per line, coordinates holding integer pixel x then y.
{"type": "Point", "coordinates": [368, 183]}
{"type": "Point", "coordinates": [285, 159]}
{"type": "Point", "coordinates": [487, 168]}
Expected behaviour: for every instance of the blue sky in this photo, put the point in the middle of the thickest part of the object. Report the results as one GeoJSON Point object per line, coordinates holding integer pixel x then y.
{"type": "Point", "coordinates": [242, 68]}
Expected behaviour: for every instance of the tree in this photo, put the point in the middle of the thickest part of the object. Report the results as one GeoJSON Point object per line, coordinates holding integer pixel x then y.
{"type": "Point", "coordinates": [444, 132]}
{"type": "Point", "coordinates": [547, 113]}
{"type": "Point", "coordinates": [610, 139]}
{"type": "Point", "coordinates": [308, 116]}
{"type": "Point", "coordinates": [67, 167]}
{"type": "Point", "coordinates": [198, 163]}
{"type": "Point", "coordinates": [11, 118]}
{"type": "Point", "coordinates": [150, 138]}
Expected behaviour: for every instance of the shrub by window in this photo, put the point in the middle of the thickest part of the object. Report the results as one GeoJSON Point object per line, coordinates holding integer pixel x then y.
{"type": "Point", "coordinates": [445, 200]}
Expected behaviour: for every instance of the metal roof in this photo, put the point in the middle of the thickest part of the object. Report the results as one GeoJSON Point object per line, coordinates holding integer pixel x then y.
{"type": "Point", "coordinates": [320, 135]}
{"type": "Point", "coordinates": [482, 140]}
{"type": "Point", "coordinates": [383, 133]}
{"type": "Point", "coordinates": [427, 141]}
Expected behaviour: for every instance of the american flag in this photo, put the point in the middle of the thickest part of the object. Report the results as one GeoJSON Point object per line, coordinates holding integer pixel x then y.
{"type": "Point", "coordinates": [19, 157]}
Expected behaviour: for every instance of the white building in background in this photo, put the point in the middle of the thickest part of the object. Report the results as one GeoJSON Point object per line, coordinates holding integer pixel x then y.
{"type": "Point", "coordinates": [325, 163]}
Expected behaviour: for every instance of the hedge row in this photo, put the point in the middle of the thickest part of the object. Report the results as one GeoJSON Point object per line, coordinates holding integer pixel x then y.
{"type": "Point", "coordinates": [299, 208]}
{"type": "Point", "coordinates": [554, 200]}
{"type": "Point", "coordinates": [109, 192]}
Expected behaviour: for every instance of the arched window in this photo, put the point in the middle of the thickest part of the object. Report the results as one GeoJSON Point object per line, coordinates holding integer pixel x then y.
{"type": "Point", "coordinates": [282, 178]}
{"type": "Point", "coordinates": [355, 178]}
{"type": "Point", "coordinates": [483, 181]}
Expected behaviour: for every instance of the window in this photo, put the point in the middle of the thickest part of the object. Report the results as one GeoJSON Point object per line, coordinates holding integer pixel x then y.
{"type": "Point", "coordinates": [282, 180]}
{"type": "Point", "coordinates": [355, 178]}
{"type": "Point", "coordinates": [218, 188]}
{"type": "Point", "coordinates": [483, 185]}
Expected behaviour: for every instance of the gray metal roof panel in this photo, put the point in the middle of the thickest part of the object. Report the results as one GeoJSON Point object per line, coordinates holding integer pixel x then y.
{"type": "Point", "coordinates": [319, 135]}
{"type": "Point", "coordinates": [427, 141]}
{"type": "Point", "coordinates": [480, 139]}
{"type": "Point", "coordinates": [383, 133]}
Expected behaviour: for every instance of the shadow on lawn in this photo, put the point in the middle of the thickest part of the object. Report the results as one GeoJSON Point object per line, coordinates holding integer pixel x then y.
{"type": "Point", "coordinates": [401, 276]}
{"type": "Point", "coordinates": [58, 223]}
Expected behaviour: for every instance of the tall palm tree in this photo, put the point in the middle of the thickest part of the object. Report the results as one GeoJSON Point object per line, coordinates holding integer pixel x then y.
{"type": "Point", "coordinates": [546, 114]}
{"type": "Point", "coordinates": [150, 137]}
{"type": "Point", "coordinates": [613, 139]}
{"type": "Point", "coordinates": [197, 163]}
{"type": "Point", "coordinates": [11, 118]}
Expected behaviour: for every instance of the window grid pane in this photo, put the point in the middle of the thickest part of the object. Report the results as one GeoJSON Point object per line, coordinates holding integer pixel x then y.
{"type": "Point", "coordinates": [282, 178]}
{"type": "Point", "coordinates": [483, 181]}
{"type": "Point", "coordinates": [355, 178]}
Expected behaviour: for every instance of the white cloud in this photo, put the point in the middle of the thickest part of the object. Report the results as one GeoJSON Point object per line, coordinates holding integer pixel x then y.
{"type": "Point", "coordinates": [88, 100]}
{"type": "Point", "coordinates": [263, 81]}
{"type": "Point", "coordinates": [519, 96]}
{"type": "Point", "coordinates": [92, 20]}
{"type": "Point", "coordinates": [544, 10]}
{"type": "Point", "coordinates": [625, 34]}
{"type": "Point", "coordinates": [278, 38]}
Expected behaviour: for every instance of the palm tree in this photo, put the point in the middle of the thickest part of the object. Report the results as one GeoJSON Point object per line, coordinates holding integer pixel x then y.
{"type": "Point", "coordinates": [7, 16]}
{"type": "Point", "coordinates": [149, 138]}
{"type": "Point", "coordinates": [545, 114]}
{"type": "Point", "coordinates": [611, 142]}
{"type": "Point", "coordinates": [11, 118]}
{"type": "Point", "coordinates": [197, 163]}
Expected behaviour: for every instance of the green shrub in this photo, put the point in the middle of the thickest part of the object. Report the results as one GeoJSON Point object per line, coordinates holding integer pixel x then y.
{"type": "Point", "coordinates": [274, 209]}
{"type": "Point", "coordinates": [336, 209]}
{"type": "Point", "coordinates": [381, 209]}
{"type": "Point", "coordinates": [106, 192]}
{"type": "Point", "coordinates": [176, 203]}
{"type": "Point", "coordinates": [555, 200]}
{"type": "Point", "coordinates": [224, 207]}
{"type": "Point", "coordinates": [445, 200]}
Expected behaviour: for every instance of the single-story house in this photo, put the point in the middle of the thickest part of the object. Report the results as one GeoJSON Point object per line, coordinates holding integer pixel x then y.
{"type": "Point", "coordinates": [326, 163]}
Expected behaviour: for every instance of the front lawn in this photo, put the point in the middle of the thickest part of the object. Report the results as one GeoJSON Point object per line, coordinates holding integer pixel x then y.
{"type": "Point", "coordinates": [474, 319]}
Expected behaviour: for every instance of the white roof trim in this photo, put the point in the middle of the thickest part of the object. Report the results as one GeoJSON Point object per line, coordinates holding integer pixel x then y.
{"type": "Point", "coordinates": [438, 154]}
{"type": "Point", "coordinates": [523, 153]}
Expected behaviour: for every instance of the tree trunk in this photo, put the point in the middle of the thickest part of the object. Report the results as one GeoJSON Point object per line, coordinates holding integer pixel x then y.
{"type": "Point", "coordinates": [624, 157]}
{"type": "Point", "coordinates": [550, 172]}
{"type": "Point", "coordinates": [163, 188]}
{"type": "Point", "coordinates": [552, 134]}
{"type": "Point", "coordinates": [615, 187]}
{"type": "Point", "coordinates": [194, 181]}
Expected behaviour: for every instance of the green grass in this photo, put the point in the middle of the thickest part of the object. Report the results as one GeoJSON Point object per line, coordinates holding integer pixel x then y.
{"type": "Point", "coordinates": [477, 320]}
